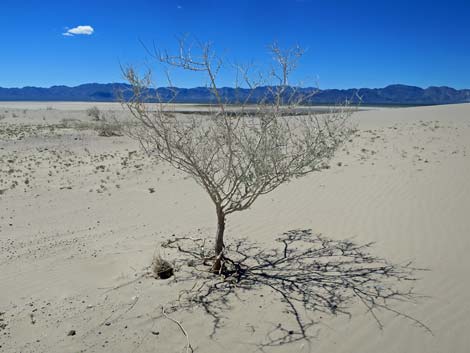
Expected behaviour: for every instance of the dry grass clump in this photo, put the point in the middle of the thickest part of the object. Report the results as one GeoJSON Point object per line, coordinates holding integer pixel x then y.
{"type": "Point", "coordinates": [109, 126]}
{"type": "Point", "coordinates": [73, 123]}
{"type": "Point", "coordinates": [161, 268]}
{"type": "Point", "coordinates": [94, 113]}
{"type": "Point", "coordinates": [108, 129]}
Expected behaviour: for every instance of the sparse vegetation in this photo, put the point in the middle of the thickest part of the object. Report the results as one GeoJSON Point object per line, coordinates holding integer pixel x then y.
{"type": "Point", "coordinates": [104, 127]}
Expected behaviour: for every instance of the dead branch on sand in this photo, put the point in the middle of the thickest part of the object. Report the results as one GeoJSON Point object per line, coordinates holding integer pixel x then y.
{"type": "Point", "coordinates": [189, 348]}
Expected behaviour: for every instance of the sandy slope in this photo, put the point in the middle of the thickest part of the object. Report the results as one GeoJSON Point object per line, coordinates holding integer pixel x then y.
{"type": "Point", "coordinates": [81, 219]}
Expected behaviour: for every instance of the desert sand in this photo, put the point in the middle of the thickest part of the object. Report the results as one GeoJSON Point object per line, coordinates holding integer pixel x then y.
{"type": "Point", "coordinates": [81, 215]}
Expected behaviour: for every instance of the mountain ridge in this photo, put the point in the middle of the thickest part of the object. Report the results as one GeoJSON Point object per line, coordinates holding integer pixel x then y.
{"type": "Point", "coordinates": [394, 94]}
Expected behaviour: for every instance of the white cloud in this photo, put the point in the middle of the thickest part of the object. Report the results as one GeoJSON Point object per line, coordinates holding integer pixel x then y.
{"type": "Point", "coordinates": [79, 30]}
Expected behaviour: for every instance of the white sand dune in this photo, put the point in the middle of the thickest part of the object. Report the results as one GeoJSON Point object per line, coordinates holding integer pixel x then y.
{"type": "Point", "coordinates": [77, 217]}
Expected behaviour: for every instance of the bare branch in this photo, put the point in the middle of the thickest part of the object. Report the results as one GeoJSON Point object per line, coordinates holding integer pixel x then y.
{"type": "Point", "coordinates": [237, 153]}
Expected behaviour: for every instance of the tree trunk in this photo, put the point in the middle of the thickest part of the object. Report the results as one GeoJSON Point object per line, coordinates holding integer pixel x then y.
{"type": "Point", "coordinates": [219, 237]}
{"type": "Point", "coordinates": [219, 241]}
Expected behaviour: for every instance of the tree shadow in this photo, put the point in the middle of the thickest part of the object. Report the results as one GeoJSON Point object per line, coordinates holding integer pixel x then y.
{"type": "Point", "coordinates": [307, 272]}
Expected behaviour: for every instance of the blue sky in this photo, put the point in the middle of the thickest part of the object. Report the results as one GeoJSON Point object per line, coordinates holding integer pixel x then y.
{"type": "Point", "coordinates": [350, 43]}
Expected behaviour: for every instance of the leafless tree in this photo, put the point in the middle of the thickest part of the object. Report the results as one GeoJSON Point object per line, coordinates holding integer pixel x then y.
{"type": "Point", "coordinates": [236, 154]}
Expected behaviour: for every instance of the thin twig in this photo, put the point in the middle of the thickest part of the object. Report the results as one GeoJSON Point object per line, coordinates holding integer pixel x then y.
{"type": "Point", "coordinates": [189, 348]}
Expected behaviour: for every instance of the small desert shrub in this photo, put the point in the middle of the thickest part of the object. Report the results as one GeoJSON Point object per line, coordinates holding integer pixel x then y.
{"type": "Point", "coordinates": [161, 268]}
{"type": "Point", "coordinates": [69, 123]}
{"type": "Point", "coordinates": [94, 112]}
{"type": "Point", "coordinates": [109, 128]}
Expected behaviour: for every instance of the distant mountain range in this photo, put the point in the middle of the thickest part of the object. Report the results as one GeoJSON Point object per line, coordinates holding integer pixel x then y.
{"type": "Point", "coordinates": [390, 95]}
